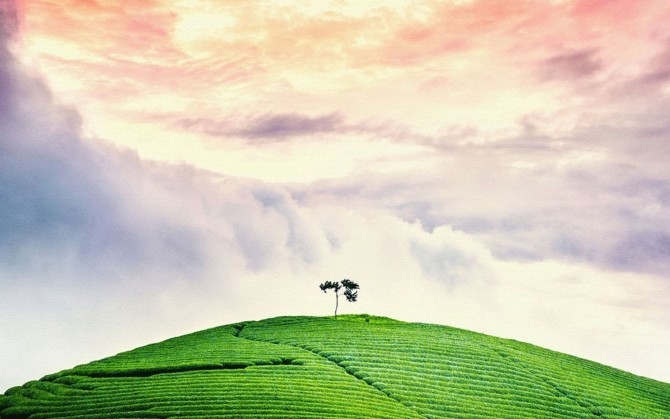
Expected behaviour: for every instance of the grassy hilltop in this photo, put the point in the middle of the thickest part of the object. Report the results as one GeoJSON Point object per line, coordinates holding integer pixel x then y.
{"type": "Point", "coordinates": [352, 367]}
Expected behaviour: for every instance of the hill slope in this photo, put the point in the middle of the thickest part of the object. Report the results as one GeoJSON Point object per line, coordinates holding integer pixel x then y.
{"type": "Point", "coordinates": [352, 367]}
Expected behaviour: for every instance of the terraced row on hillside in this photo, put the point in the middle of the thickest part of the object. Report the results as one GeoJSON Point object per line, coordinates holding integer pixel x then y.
{"type": "Point", "coordinates": [352, 367]}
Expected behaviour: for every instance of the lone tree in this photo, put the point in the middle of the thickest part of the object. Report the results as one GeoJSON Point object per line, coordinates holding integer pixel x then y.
{"type": "Point", "coordinates": [349, 287]}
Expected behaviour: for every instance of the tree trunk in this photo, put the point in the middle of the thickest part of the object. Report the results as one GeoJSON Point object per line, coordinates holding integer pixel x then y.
{"type": "Point", "coordinates": [337, 301]}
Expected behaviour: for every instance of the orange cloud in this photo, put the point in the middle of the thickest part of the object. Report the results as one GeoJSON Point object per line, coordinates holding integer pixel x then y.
{"type": "Point", "coordinates": [465, 62]}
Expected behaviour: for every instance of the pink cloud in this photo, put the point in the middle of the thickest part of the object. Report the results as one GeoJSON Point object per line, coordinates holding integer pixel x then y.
{"type": "Point", "coordinates": [478, 51]}
{"type": "Point", "coordinates": [107, 30]}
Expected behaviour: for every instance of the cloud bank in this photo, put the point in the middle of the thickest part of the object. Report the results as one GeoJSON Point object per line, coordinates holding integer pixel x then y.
{"type": "Point", "coordinates": [529, 202]}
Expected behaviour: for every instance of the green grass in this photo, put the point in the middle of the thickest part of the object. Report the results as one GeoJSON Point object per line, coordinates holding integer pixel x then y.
{"type": "Point", "coordinates": [353, 367]}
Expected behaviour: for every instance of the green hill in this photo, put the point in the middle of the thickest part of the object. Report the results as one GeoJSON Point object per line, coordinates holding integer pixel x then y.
{"type": "Point", "coordinates": [352, 367]}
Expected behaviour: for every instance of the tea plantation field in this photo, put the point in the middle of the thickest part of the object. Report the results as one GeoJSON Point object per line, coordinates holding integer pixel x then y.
{"type": "Point", "coordinates": [349, 367]}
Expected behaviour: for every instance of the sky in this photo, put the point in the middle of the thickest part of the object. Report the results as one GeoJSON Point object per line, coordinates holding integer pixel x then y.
{"type": "Point", "coordinates": [495, 165]}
